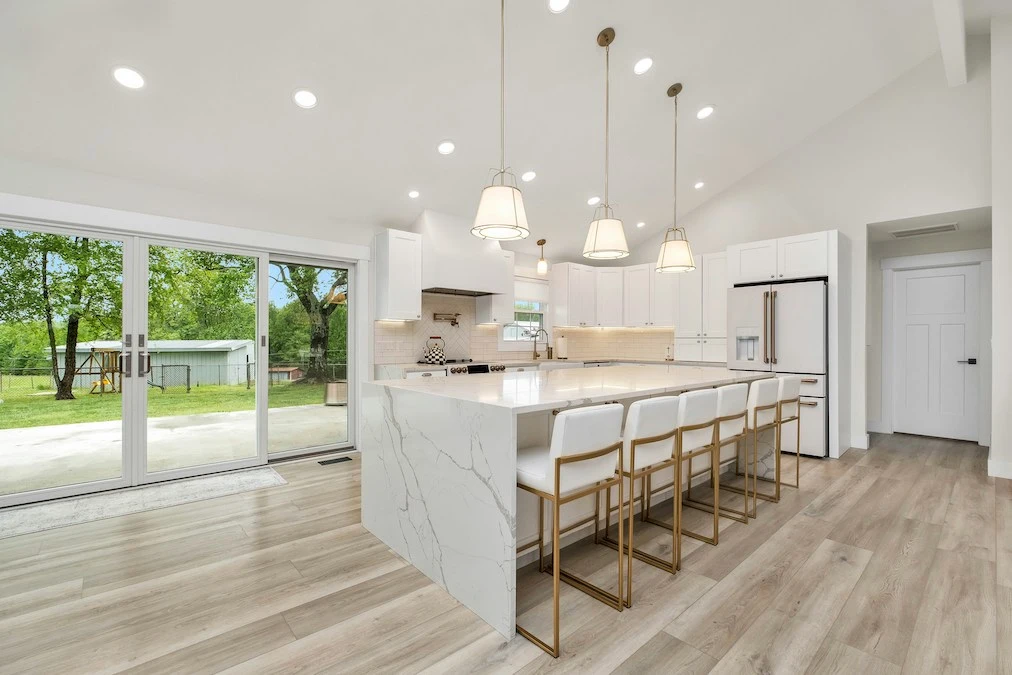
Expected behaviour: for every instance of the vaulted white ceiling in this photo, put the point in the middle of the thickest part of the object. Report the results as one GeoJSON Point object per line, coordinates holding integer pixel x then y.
{"type": "Point", "coordinates": [395, 77]}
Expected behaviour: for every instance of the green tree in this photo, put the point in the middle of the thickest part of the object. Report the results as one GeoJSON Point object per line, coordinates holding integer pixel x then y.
{"type": "Point", "coordinates": [64, 281]}
{"type": "Point", "coordinates": [320, 292]}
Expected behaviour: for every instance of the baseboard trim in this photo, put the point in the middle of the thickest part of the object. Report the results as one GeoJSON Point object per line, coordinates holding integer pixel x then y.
{"type": "Point", "coordinates": [998, 468]}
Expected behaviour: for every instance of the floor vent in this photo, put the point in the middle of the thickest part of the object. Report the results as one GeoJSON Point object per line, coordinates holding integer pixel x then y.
{"type": "Point", "coordinates": [335, 460]}
{"type": "Point", "coordinates": [921, 231]}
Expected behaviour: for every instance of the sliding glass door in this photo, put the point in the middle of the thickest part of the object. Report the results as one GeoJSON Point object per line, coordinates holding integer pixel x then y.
{"type": "Point", "coordinates": [62, 319]}
{"type": "Point", "coordinates": [308, 357]}
{"type": "Point", "coordinates": [127, 360]}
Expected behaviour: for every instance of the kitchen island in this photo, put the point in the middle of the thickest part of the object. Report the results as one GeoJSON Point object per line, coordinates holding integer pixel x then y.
{"type": "Point", "coordinates": [439, 464]}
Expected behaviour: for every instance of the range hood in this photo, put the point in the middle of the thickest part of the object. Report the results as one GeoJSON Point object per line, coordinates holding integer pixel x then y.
{"type": "Point", "coordinates": [455, 262]}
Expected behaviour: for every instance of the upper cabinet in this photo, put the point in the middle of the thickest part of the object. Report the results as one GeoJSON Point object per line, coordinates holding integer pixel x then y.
{"type": "Point", "coordinates": [609, 298]}
{"type": "Point", "coordinates": [398, 275]}
{"type": "Point", "coordinates": [702, 298]}
{"type": "Point", "coordinates": [689, 306]}
{"type": "Point", "coordinates": [573, 295]}
{"type": "Point", "coordinates": [649, 298]}
{"type": "Point", "coordinates": [798, 257]}
{"type": "Point", "coordinates": [499, 307]}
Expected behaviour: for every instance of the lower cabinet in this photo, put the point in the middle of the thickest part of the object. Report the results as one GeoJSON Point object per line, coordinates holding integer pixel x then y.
{"type": "Point", "coordinates": [710, 350]}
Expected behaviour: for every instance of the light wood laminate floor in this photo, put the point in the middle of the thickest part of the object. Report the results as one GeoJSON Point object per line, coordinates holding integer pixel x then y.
{"type": "Point", "coordinates": [898, 559]}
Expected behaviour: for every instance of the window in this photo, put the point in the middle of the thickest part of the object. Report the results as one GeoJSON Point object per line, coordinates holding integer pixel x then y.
{"type": "Point", "coordinates": [528, 319]}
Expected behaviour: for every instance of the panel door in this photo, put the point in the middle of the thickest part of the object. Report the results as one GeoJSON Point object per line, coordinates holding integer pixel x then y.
{"type": "Point", "coordinates": [636, 295]}
{"type": "Point", "coordinates": [806, 255]}
{"type": "Point", "coordinates": [752, 262]}
{"type": "Point", "coordinates": [404, 288]}
{"type": "Point", "coordinates": [663, 297]}
{"type": "Point", "coordinates": [715, 295]}
{"type": "Point", "coordinates": [609, 296]}
{"type": "Point", "coordinates": [689, 310]}
{"type": "Point", "coordinates": [588, 296]}
{"type": "Point", "coordinates": [935, 387]}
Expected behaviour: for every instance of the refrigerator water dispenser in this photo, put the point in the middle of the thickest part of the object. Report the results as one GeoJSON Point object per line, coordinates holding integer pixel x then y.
{"type": "Point", "coordinates": [747, 343]}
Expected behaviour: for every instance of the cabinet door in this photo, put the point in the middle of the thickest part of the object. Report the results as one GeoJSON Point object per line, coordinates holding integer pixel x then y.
{"type": "Point", "coordinates": [636, 295]}
{"type": "Point", "coordinates": [689, 349]}
{"type": "Point", "coordinates": [714, 350]}
{"type": "Point", "coordinates": [400, 274]}
{"type": "Point", "coordinates": [588, 296]}
{"type": "Point", "coordinates": [663, 297]}
{"type": "Point", "coordinates": [806, 255]}
{"type": "Point", "coordinates": [754, 261]}
{"type": "Point", "coordinates": [503, 303]}
{"type": "Point", "coordinates": [715, 295]}
{"type": "Point", "coordinates": [813, 429]}
{"type": "Point", "coordinates": [609, 296]}
{"type": "Point", "coordinates": [689, 308]}
{"type": "Point", "coordinates": [576, 308]}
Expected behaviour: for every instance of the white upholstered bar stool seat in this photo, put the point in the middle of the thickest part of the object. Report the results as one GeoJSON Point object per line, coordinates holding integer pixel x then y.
{"type": "Point", "coordinates": [789, 412]}
{"type": "Point", "coordinates": [697, 437]}
{"type": "Point", "coordinates": [731, 413]}
{"type": "Point", "coordinates": [648, 446]}
{"type": "Point", "coordinates": [582, 459]}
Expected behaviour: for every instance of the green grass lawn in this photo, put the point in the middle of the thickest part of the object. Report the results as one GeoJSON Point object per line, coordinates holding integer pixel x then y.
{"type": "Point", "coordinates": [20, 408]}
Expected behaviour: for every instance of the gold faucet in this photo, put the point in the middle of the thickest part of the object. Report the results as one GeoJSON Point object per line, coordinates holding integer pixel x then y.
{"type": "Point", "coordinates": [537, 356]}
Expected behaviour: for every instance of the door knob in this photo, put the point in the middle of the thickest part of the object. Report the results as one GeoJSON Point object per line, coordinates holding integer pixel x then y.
{"type": "Point", "coordinates": [970, 362]}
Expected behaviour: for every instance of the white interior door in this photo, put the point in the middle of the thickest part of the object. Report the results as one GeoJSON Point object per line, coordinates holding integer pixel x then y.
{"type": "Point", "coordinates": [935, 390]}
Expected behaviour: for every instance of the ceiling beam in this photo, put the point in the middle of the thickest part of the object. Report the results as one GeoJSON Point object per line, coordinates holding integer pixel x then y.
{"type": "Point", "coordinates": [951, 23]}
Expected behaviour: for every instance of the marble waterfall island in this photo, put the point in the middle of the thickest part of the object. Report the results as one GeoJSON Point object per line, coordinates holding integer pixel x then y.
{"type": "Point", "coordinates": [439, 464]}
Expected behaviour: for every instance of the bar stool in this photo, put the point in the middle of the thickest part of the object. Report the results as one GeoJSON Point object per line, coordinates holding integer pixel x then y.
{"type": "Point", "coordinates": [762, 415]}
{"type": "Point", "coordinates": [731, 419]}
{"type": "Point", "coordinates": [587, 442]}
{"type": "Point", "coordinates": [789, 410]}
{"type": "Point", "coordinates": [648, 446]}
{"type": "Point", "coordinates": [697, 437]}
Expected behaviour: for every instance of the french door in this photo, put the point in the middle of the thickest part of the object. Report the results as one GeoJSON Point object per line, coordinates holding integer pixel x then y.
{"type": "Point", "coordinates": [126, 360]}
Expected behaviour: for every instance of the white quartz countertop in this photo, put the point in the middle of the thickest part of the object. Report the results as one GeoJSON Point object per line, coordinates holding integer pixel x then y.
{"type": "Point", "coordinates": [535, 390]}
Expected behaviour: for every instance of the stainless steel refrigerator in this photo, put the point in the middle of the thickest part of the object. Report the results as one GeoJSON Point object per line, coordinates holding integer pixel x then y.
{"type": "Point", "coordinates": [781, 328]}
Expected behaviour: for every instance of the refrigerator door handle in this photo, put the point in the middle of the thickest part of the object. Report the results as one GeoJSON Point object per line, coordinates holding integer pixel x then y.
{"type": "Point", "coordinates": [773, 327]}
{"type": "Point", "coordinates": [766, 332]}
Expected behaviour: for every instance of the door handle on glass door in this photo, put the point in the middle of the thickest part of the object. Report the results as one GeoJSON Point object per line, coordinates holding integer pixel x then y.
{"type": "Point", "coordinates": [773, 327]}
{"type": "Point", "coordinates": [144, 363]}
{"type": "Point", "coordinates": [766, 332]}
{"type": "Point", "coordinates": [124, 365]}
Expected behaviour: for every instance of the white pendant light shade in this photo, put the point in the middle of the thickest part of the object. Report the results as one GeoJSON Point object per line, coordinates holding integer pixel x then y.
{"type": "Point", "coordinates": [542, 263]}
{"type": "Point", "coordinates": [606, 240]}
{"type": "Point", "coordinates": [501, 214]}
{"type": "Point", "coordinates": [676, 254]}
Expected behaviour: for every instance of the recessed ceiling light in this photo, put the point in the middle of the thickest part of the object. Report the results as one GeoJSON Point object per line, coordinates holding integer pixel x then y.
{"type": "Point", "coordinates": [641, 224]}
{"type": "Point", "coordinates": [528, 176]}
{"type": "Point", "coordinates": [128, 77]}
{"type": "Point", "coordinates": [643, 65]}
{"type": "Point", "coordinates": [557, 6]}
{"type": "Point", "coordinates": [699, 185]}
{"type": "Point", "coordinates": [446, 147]}
{"type": "Point", "coordinates": [304, 98]}
{"type": "Point", "coordinates": [705, 112]}
{"type": "Point", "coordinates": [413, 194]}
{"type": "Point", "coordinates": [594, 201]}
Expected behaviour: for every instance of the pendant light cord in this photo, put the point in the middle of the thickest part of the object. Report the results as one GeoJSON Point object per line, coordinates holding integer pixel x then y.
{"type": "Point", "coordinates": [674, 192]}
{"type": "Point", "coordinates": [502, 90]}
{"type": "Point", "coordinates": [607, 120]}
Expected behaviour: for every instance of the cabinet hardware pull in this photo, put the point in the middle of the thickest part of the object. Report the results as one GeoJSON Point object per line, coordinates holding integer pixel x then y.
{"type": "Point", "coordinates": [809, 404]}
{"type": "Point", "coordinates": [809, 380]}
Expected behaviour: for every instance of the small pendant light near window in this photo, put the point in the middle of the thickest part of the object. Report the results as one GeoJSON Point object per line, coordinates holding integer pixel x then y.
{"type": "Point", "coordinates": [675, 254]}
{"type": "Point", "coordinates": [501, 212]}
{"type": "Point", "coordinates": [606, 238]}
{"type": "Point", "coordinates": [542, 263]}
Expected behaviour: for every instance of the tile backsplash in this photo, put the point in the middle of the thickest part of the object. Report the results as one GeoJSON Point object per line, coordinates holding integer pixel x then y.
{"type": "Point", "coordinates": [403, 342]}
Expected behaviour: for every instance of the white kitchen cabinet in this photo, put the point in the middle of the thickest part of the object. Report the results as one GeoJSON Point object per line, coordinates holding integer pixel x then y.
{"type": "Point", "coordinates": [573, 295]}
{"type": "Point", "coordinates": [499, 307]}
{"type": "Point", "coordinates": [636, 295]}
{"type": "Point", "coordinates": [799, 257]}
{"type": "Point", "coordinates": [689, 349]}
{"type": "Point", "coordinates": [714, 350]}
{"type": "Point", "coordinates": [803, 256]}
{"type": "Point", "coordinates": [663, 297]}
{"type": "Point", "coordinates": [754, 261]}
{"type": "Point", "coordinates": [689, 306]}
{"type": "Point", "coordinates": [715, 287]}
{"type": "Point", "coordinates": [609, 297]}
{"type": "Point", "coordinates": [398, 275]}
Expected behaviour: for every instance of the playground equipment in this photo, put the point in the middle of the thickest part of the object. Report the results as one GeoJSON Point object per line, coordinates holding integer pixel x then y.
{"type": "Point", "coordinates": [105, 364]}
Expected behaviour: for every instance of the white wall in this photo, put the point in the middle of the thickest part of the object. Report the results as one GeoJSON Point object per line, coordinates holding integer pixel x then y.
{"type": "Point", "coordinates": [1000, 462]}
{"type": "Point", "coordinates": [939, 243]}
{"type": "Point", "coordinates": [916, 147]}
{"type": "Point", "coordinates": [82, 187]}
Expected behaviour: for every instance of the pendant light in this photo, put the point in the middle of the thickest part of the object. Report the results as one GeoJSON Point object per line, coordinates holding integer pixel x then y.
{"type": "Point", "coordinates": [675, 254]}
{"type": "Point", "coordinates": [606, 238]}
{"type": "Point", "coordinates": [501, 212]}
{"type": "Point", "coordinates": [542, 263]}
